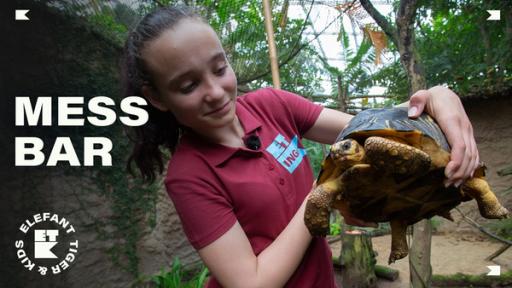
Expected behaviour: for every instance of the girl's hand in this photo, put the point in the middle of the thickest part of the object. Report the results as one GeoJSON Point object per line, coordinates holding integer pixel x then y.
{"type": "Point", "coordinates": [446, 108]}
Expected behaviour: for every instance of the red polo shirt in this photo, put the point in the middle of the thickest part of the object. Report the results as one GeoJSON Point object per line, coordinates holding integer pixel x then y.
{"type": "Point", "coordinates": [212, 185]}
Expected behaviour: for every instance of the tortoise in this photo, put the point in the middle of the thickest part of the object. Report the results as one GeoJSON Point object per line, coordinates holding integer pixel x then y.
{"type": "Point", "coordinates": [384, 167]}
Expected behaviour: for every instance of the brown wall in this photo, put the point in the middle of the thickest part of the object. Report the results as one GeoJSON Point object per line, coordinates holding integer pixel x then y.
{"type": "Point", "coordinates": [160, 245]}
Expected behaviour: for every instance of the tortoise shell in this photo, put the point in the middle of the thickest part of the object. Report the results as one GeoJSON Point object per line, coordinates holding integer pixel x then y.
{"type": "Point", "coordinates": [393, 122]}
{"type": "Point", "coordinates": [374, 197]}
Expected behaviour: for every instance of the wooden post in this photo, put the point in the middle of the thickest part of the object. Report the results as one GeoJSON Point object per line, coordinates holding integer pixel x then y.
{"type": "Point", "coordinates": [357, 260]}
{"type": "Point", "coordinates": [419, 255]}
{"type": "Point", "coordinates": [274, 67]}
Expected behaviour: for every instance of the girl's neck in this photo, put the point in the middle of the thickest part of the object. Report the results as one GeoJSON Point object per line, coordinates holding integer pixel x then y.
{"type": "Point", "coordinates": [230, 135]}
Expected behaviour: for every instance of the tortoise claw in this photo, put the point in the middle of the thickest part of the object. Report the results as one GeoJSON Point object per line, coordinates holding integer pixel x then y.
{"type": "Point", "coordinates": [488, 204]}
{"type": "Point", "coordinates": [396, 255]}
{"type": "Point", "coordinates": [399, 247]}
{"type": "Point", "coordinates": [499, 213]}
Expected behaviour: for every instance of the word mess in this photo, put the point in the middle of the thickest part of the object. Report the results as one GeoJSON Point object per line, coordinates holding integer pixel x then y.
{"type": "Point", "coordinates": [29, 150]}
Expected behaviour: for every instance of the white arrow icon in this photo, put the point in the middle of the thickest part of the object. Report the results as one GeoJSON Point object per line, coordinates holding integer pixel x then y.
{"type": "Point", "coordinates": [494, 15]}
{"type": "Point", "coordinates": [494, 270]}
{"type": "Point", "coordinates": [21, 14]}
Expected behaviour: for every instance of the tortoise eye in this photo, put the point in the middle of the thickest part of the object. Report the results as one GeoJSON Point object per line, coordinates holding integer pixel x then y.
{"type": "Point", "coordinates": [346, 146]}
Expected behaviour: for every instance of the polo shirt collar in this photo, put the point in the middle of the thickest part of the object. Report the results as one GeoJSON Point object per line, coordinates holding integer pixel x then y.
{"type": "Point", "coordinates": [217, 154]}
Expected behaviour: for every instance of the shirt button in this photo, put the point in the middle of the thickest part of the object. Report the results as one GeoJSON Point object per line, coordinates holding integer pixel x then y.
{"type": "Point", "coordinates": [281, 181]}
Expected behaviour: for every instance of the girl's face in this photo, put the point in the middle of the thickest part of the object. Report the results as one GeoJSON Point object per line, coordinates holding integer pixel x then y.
{"type": "Point", "coordinates": [192, 77]}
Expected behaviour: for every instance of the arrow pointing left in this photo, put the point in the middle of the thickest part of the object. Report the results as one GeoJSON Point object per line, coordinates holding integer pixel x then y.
{"type": "Point", "coordinates": [21, 14]}
{"type": "Point", "coordinates": [494, 15]}
{"type": "Point", "coordinates": [494, 270]}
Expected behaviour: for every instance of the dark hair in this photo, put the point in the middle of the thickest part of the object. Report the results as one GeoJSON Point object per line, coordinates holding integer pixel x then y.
{"type": "Point", "coordinates": [162, 127]}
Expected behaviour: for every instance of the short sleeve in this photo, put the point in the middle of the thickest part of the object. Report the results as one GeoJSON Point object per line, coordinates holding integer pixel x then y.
{"type": "Point", "coordinates": [304, 112]}
{"type": "Point", "coordinates": [204, 212]}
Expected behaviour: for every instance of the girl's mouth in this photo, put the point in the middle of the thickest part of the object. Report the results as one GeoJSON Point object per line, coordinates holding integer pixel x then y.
{"type": "Point", "coordinates": [219, 111]}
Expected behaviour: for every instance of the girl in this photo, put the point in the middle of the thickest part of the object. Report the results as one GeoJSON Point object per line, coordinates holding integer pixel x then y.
{"type": "Point", "coordinates": [238, 175]}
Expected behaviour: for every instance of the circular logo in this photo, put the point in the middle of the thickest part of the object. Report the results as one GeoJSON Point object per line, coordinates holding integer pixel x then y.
{"type": "Point", "coordinates": [48, 244]}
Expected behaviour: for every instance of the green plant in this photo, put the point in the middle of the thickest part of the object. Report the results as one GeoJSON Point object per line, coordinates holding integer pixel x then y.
{"type": "Point", "coordinates": [502, 228]}
{"type": "Point", "coordinates": [464, 280]}
{"type": "Point", "coordinates": [335, 226]}
{"type": "Point", "coordinates": [133, 204]}
{"type": "Point", "coordinates": [315, 154]}
{"type": "Point", "coordinates": [106, 24]}
{"type": "Point", "coordinates": [178, 277]}
{"type": "Point", "coordinates": [435, 222]}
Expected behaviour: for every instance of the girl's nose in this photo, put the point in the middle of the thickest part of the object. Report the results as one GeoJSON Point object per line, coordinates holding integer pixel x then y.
{"type": "Point", "coordinates": [214, 90]}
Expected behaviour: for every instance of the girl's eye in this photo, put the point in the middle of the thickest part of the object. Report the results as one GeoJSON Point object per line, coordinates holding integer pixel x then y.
{"type": "Point", "coordinates": [188, 88]}
{"type": "Point", "coordinates": [221, 70]}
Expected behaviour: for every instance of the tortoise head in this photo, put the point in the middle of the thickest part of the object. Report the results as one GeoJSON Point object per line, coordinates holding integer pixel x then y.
{"type": "Point", "coordinates": [347, 152]}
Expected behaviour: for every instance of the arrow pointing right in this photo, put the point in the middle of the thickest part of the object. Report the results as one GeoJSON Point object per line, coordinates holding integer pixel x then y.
{"type": "Point", "coordinates": [494, 270]}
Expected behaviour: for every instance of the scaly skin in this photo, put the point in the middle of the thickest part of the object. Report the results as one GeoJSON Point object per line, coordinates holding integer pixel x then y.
{"type": "Point", "coordinates": [488, 204]}
{"type": "Point", "coordinates": [316, 215]}
{"type": "Point", "coordinates": [391, 156]}
{"type": "Point", "coordinates": [399, 248]}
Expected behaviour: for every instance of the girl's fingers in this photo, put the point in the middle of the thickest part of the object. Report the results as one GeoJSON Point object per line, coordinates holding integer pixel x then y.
{"type": "Point", "coordinates": [417, 103]}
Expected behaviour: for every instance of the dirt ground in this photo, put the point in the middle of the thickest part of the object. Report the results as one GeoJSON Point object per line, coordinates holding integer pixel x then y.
{"type": "Point", "coordinates": [450, 254]}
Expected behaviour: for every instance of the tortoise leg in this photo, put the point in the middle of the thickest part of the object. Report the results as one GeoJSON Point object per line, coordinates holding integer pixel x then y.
{"type": "Point", "coordinates": [318, 207]}
{"type": "Point", "coordinates": [488, 204]}
{"type": "Point", "coordinates": [399, 248]}
{"type": "Point", "coordinates": [396, 157]}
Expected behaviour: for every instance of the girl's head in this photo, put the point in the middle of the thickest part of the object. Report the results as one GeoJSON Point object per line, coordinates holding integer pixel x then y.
{"type": "Point", "coordinates": [176, 61]}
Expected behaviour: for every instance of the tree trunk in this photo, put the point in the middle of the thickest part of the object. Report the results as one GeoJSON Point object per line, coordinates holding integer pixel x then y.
{"type": "Point", "coordinates": [358, 261]}
{"type": "Point", "coordinates": [409, 57]}
{"type": "Point", "coordinates": [342, 95]}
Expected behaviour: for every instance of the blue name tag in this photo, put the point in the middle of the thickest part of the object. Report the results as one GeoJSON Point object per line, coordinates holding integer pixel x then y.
{"type": "Point", "coordinates": [287, 153]}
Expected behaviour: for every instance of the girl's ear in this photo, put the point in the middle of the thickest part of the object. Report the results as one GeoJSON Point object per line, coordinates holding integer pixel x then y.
{"type": "Point", "coordinates": [152, 96]}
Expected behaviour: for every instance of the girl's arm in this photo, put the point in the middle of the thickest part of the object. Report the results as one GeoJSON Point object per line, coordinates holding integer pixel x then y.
{"type": "Point", "coordinates": [233, 263]}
